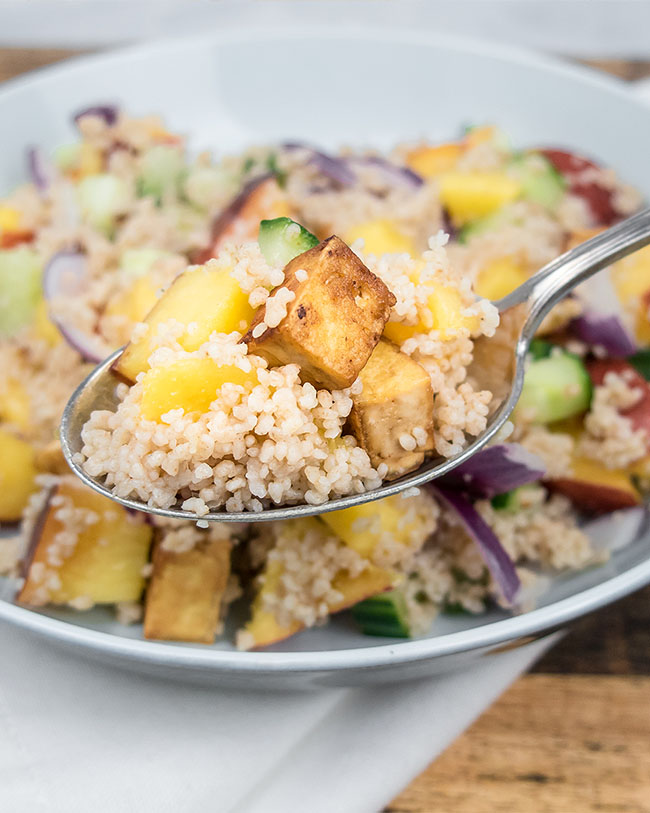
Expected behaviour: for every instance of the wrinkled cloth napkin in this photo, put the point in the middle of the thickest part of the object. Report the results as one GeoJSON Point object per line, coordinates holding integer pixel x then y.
{"type": "Point", "coordinates": [81, 736]}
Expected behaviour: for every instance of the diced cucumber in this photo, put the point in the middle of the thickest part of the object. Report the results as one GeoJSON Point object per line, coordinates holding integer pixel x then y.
{"type": "Point", "coordinates": [101, 199]}
{"type": "Point", "coordinates": [477, 227]}
{"type": "Point", "coordinates": [555, 388]}
{"type": "Point", "coordinates": [512, 501]}
{"type": "Point", "coordinates": [385, 614]}
{"type": "Point", "coordinates": [161, 171]}
{"type": "Point", "coordinates": [540, 181]}
{"type": "Point", "coordinates": [283, 239]}
{"type": "Point", "coordinates": [137, 261]}
{"type": "Point", "coordinates": [20, 288]}
{"type": "Point", "coordinates": [205, 187]}
{"type": "Point", "coordinates": [540, 349]}
{"type": "Point", "coordinates": [66, 156]}
{"type": "Point", "coordinates": [641, 361]}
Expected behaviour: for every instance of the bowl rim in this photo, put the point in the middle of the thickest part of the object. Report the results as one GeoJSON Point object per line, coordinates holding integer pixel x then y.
{"type": "Point", "coordinates": [373, 656]}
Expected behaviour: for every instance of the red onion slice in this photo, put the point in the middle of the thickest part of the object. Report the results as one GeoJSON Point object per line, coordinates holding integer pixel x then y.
{"type": "Point", "coordinates": [604, 331]}
{"type": "Point", "coordinates": [336, 169]}
{"type": "Point", "coordinates": [40, 170]}
{"type": "Point", "coordinates": [37, 530]}
{"type": "Point", "coordinates": [494, 554]}
{"type": "Point", "coordinates": [66, 275]}
{"type": "Point", "coordinates": [107, 112]}
{"type": "Point", "coordinates": [393, 173]}
{"type": "Point", "coordinates": [495, 470]}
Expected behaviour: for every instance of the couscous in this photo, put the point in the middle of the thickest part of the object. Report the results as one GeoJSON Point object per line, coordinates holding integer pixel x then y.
{"type": "Point", "coordinates": [250, 379]}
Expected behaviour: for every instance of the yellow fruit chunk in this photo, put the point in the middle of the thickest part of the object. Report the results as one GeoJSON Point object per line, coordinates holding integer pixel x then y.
{"type": "Point", "coordinates": [444, 312]}
{"type": "Point", "coordinates": [362, 527]}
{"type": "Point", "coordinates": [631, 276]}
{"type": "Point", "coordinates": [641, 468]}
{"type": "Point", "coordinates": [479, 135]}
{"type": "Point", "coordinates": [579, 236]}
{"type": "Point", "coordinates": [43, 327]}
{"type": "Point", "coordinates": [15, 405]}
{"type": "Point", "coordinates": [136, 302]}
{"type": "Point", "coordinates": [17, 473]}
{"type": "Point", "coordinates": [188, 384]}
{"type": "Point", "coordinates": [263, 628]}
{"type": "Point", "coordinates": [91, 160]}
{"type": "Point", "coordinates": [9, 219]}
{"type": "Point", "coordinates": [206, 299]}
{"type": "Point", "coordinates": [472, 195]}
{"type": "Point", "coordinates": [432, 161]}
{"type": "Point", "coordinates": [105, 564]}
{"type": "Point", "coordinates": [499, 278]}
{"type": "Point", "coordinates": [381, 237]}
{"type": "Point", "coordinates": [631, 279]}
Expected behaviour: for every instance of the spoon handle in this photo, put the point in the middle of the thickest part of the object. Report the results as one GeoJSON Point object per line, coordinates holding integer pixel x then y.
{"type": "Point", "coordinates": [552, 282]}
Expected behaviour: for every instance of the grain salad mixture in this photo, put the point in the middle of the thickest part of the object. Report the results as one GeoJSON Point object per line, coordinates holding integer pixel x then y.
{"type": "Point", "coordinates": [301, 326]}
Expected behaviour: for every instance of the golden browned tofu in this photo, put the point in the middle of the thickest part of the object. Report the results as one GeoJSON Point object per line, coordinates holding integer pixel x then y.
{"type": "Point", "coordinates": [334, 320]}
{"type": "Point", "coordinates": [392, 418]}
{"type": "Point", "coordinates": [184, 596]}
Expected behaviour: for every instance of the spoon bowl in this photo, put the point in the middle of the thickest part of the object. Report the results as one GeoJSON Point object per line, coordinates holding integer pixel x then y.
{"type": "Point", "coordinates": [524, 308]}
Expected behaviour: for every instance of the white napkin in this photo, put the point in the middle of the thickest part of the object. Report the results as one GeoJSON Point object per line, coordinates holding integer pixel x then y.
{"type": "Point", "coordinates": [79, 736]}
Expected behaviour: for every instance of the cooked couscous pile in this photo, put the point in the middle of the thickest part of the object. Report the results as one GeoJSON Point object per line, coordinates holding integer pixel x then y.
{"type": "Point", "coordinates": [301, 326]}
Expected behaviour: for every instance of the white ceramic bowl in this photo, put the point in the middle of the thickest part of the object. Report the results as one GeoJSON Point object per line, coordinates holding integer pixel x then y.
{"type": "Point", "coordinates": [332, 86]}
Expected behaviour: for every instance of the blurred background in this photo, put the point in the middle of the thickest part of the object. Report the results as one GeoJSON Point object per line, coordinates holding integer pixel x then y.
{"type": "Point", "coordinates": [586, 28]}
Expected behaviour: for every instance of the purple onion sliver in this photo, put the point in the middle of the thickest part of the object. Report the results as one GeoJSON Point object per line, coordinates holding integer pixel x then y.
{"type": "Point", "coordinates": [494, 554]}
{"type": "Point", "coordinates": [334, 168]}
{"type": "Point", "coordinates": [605, 331]}
{"type": "Point", "coordinates": [40, 170]}
{"type": "Point", "coordinates": [85, 345]}
{"type": "Point", "coordinates": [495, 470]}
{"type": "Point", "coordinates": [396, 174]}
{"type": "Point", "coordinates": [66, 274]}
{"type": "Point", "coordinates": [107, 112]}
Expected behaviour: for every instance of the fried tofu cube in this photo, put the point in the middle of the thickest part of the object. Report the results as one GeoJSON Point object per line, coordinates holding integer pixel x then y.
{"type": "Point", "coordinates": [392, 418]}
{"type": "Point", "coordinates": [334, 320]}
{"type": "Point", "coordinates": [186, 590]}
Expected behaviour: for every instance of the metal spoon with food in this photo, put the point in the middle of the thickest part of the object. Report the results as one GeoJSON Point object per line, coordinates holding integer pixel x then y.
{"type": "Point", "coordinates": [522, 312]}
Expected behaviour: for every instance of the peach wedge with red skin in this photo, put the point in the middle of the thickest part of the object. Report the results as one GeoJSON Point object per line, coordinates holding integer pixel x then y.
{"type": "Point", "coordinates": [265, 630]}
{"type": "Point", "coordinates": [334, 321]}
{"type": "Point", "coordinates": [104, 563]}
{"type": "Point", "coordinates": [261, 199]}
{"type": "Point", "coordinates": [185, 592]}
{"type": "Point", "coordinates": [592, 487]}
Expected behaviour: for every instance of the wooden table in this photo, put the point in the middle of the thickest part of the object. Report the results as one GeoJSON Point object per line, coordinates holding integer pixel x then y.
{"type": "Point", "coordinates": [571, 737]}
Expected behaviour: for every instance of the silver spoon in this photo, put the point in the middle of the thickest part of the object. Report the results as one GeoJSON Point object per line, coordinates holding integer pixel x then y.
{"type": "Point", "coordinates": [535, 299]}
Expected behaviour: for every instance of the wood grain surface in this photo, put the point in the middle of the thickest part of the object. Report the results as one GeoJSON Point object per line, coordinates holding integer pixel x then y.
{"type": "Point", "coordinates": [573, 736]}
